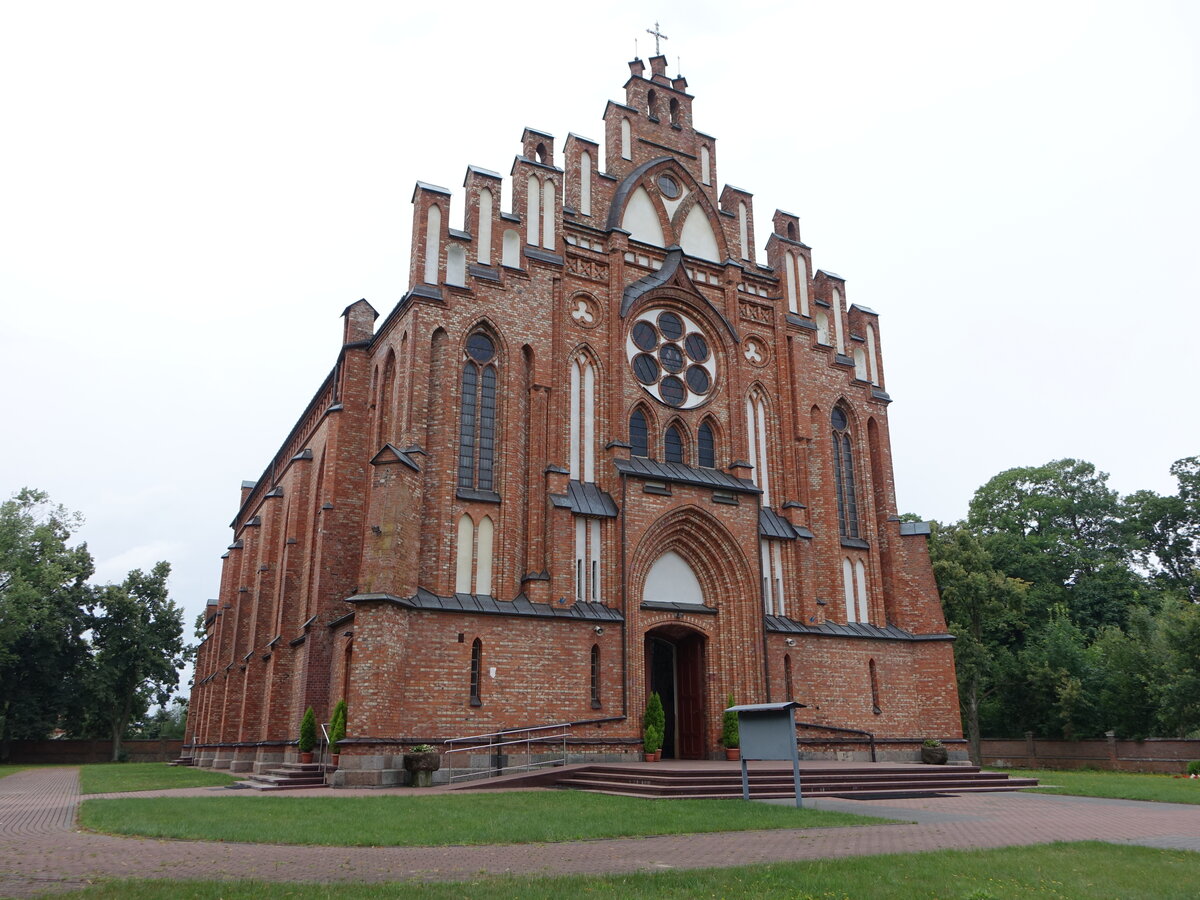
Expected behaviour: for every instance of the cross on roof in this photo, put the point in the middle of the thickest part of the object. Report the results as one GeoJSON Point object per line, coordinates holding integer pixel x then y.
{"type": "Point", "coordinates": [657, 35]}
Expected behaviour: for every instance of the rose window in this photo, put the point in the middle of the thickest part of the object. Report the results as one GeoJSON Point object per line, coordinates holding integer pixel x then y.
{"type": "Point", "coordinates": [672, 359]}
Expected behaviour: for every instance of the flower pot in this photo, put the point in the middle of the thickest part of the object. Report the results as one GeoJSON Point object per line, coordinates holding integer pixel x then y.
{"type": "Point", "coordinates": [652, 757]}
{"type": "Point", "coordinates": [934, 756]}
{"type": "Point", "coordinates": [733, 752]}
{"type": "Point", "coordinates": [333, 758]}
{"type": "Point", "coordinates": [421, 767]}
{"type": "Point", "coordinates": [305, 757]}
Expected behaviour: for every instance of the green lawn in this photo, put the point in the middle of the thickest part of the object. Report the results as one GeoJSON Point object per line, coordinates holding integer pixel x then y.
{"type": "Point", "coordinates": [106, 778]}
{"type": "Point", "coordinates": [1116, 785]}
{"type": "Point", "coordinates": [1085, 871]}
{"type": "Point", "coordinates": [485, 818]}
{"type": "Point", "coordinates": [10, 769]}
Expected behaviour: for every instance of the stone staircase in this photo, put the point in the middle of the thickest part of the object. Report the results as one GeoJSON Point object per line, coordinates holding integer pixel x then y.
{"type": "Point", "coordinates": [288, 777]}
{"type": "Point", "coordinates": [183, 761]}
{"type": "Point", "coordinates": [774, 781]}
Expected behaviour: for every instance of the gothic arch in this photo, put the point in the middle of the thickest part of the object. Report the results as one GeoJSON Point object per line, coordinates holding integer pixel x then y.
{"type": "Point", "coordinates": [705, 544]}
{"type": "Point", "coordinates": [671, 220]}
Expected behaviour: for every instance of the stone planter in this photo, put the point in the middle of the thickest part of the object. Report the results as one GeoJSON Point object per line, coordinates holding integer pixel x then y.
{"type": "Point", "coordinates": [421, 767]}
{"type": "Point", "coordinates": [934, 756]}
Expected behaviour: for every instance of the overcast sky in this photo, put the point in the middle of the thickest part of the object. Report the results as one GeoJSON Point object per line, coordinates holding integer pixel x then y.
{"type": "Point", "coordinates": [191, 195]}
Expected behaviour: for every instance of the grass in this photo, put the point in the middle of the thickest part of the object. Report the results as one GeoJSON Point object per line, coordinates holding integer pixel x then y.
{"type": "Point", "coordinates": [1114, 785]}
{"type": "Point", "coordinates": [9, 769]}
{"type": "Point", "coordinates": [485, 818]}
{"type": "Point", "coordinates": [107, 778]}
{"type": "Point", "coordinates": [1081, 871]}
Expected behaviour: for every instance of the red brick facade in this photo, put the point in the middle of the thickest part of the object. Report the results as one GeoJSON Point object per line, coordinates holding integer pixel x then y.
{"type": "Point", "coordinates": [603, 381]}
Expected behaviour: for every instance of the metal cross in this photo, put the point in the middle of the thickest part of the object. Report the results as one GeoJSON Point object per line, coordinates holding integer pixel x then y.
{"type": "Point", "coordinates": [657, 34]}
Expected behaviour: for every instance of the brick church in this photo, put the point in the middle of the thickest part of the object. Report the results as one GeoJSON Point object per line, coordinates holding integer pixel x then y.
{"type": "Point", "coordinates": [602, 446]}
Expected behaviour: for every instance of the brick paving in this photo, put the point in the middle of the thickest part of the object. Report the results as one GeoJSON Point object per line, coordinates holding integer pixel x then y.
{"type": "Point", "coordinates": [40, 851]}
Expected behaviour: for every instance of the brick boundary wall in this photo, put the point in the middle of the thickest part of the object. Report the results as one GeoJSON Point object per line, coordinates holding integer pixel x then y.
{"type": "Point", "coordinates": [82, 752]}
{"type": "Point", "coordinates": [1162, 755]}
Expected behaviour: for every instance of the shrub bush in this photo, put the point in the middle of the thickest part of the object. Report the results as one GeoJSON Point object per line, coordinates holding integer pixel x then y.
{"type": "Point", "coordinates": [337, 726]}
{"type": "Point", "coordinates": [1194, 767]}
{"type": "Point", "coordinates": [654, 724]}
{"type": "Point", "coordinates": [730, 737]}
{"type": "Point", "coordinates": [308, 731]}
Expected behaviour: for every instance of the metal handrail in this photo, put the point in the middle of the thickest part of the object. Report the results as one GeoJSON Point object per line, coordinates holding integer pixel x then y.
{"type": "Point", "coordinates": [491, 742]}
{"type": "Point", "coordinates": [868, 734]}
{"type": "Point", "coordinates": [324, 752]}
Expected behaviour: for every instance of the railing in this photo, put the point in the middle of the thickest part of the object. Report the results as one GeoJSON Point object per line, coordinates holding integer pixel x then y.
{"type": "Point", "coordinates": [514, 737]}
{"type": "Point", "coordinates": [868, 734]}
{"type": "Point", "coordinates": [323, 757]}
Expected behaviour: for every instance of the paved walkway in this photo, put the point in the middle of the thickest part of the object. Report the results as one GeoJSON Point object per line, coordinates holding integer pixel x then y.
{"type": "Point", "coordinates": [39, 851]}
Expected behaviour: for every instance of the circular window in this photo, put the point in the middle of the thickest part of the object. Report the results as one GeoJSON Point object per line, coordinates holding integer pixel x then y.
{"type": "Point", "coordinates": [838, 419]}
{"type": "Point", "coordinates": [671, 358]}
{"type": "Point", "coordinates": [645, 336]}
{"type": "Point", "coordinates": [480, 347]}
{"type": "Point", "coordinates": [669, 186]}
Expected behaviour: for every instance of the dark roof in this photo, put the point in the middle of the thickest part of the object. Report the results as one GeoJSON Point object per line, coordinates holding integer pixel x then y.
{"type": "Point", "coordinates": [649, 282]}
{"type": "Point", "coordinates": [585, 499]}
{"type": "Point", "coordinates": [481, 603]}
{"type": "Point", "coordinates": [852, 629]}
{"type": "Point", "coordinates": [772, 525]}
{"type": "Point", "coordinates": [643, 467]}
{"type": "Point", "coordinates": [390, 454]}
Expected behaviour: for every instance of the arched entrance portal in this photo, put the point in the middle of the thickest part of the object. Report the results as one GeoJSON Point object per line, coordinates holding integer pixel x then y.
{"type": "Point", "coordinates": [675, 669]}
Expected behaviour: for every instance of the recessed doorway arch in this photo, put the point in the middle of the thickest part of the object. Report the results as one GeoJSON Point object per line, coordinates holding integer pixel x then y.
{"type": "Point", "coordinates": [674, 659]}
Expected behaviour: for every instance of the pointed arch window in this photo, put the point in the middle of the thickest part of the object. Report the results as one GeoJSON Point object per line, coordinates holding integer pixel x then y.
{"type": "Point", "coordinates": [673, 445]}
{"type": "Point", "coordinates": [843, 474]}
{"type": "Point", "coordinates": [756, 431]}
{"type": "Point", "coordinates": [583, 420]}
{"type": "Point", "coordinates": [706, 446]}
{"type": "Point", "coordinates": [639, 434]}
{"type": "Point", "coordinates": [477, 418]}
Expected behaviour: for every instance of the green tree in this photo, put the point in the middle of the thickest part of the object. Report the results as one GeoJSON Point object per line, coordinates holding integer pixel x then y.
{"type": "Point", "coordinates": [983, 610]}
{"type": "Point", "coordinates": [1178, 689]}
{"type": "Point", "coordinates": [1166, 530]}
{"type": "Point", "coordinates": [43, 593]}
{"type": "Point", "coordinates": [138, 650]}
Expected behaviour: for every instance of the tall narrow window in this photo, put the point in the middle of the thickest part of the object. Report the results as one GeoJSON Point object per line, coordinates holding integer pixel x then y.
{"type": "Point", "coordinates": [789, 688]}
{"type": "Point", "coordinates": [848, 590]}
{"type": "Point", "coordinates": [587, 559]}
{"type": "Point", "coordinates": [532, 211]}
{"type": "Point", "coordinates": [802, 284]}
{"type": "Point", "coordinates": [744, 230]}
{"type": "Point", "coordinates": [483, 247]}
{"type": "Point", "coordinates": [585, 183]}
{"type": "Point", "coordinates": [673, 445]}
{"type": "Point", "coordinates": [511, 249]}
{"type": "Point", "coordinates": [822, 327]}
{"type": "Point", "coordinates": [674, 111]}
{"type": "Point", "coordinates": [483, 556]}
{"type": "Point", "coordinates": [772, 578]}
{"type": "Point", "coordinates": [756, 431]}
{"type": "Point", "coordinates": [639, 436]}
{"type": "Point", "coordinates": [433, 243]}
{"type": "Point", "coordinates": [860, 584]}
{"type": "Point", "coordinates": [476, 671]}
{"type": "Point", "coordinates": [548, 215]}
{"type": "Point", "coordinates": [477, 418]}
{"type": "Point", "coordinates": [464, 555]}
{"type": "Point", "coordinates": [706, 452]}
{"type": "Point", "coordinates": [871, 351]}
{"type": "Point", "coordinates": [595, 676]}
{"type": "Point", "coordinates": [626, 140]}
{"type": "Point", "coordinates": [838, 334]}
{"type": "Point", "coordinates": [789, 265]}
{"type": "Point", "coordinates": [843, 473]}
{"type": "Point", "coordinates": [705, 165]}
{"type": "Point", "coordinates": [583, 420]}
{"type": "Point", "coordinates": [874, 687]}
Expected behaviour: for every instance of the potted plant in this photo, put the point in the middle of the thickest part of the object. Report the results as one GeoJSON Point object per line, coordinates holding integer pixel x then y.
{"type": "Point", "coordinates": [654, 724]}
{"type": "Point", "coordinates": [421, 762]}
{"type": "Point", "coordinates": [308, 736]}
{"type": "Point", "coordinates": [934, 753]}
{"type": "Point", "coordinates": [337, 729]}
{"type": "Point", "coordinates": [730, 737]}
